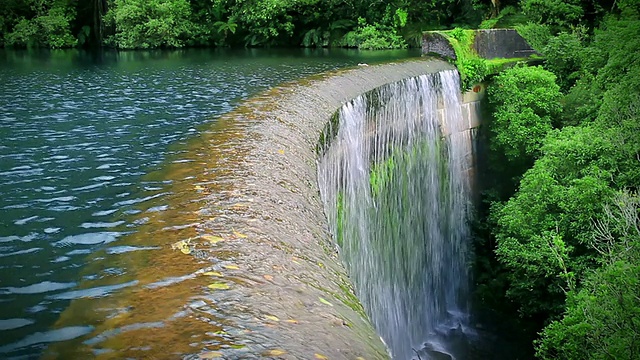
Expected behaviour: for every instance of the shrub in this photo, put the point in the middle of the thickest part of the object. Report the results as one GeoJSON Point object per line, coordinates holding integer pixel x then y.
{"type": "Point", "coordinates": [374, 37]}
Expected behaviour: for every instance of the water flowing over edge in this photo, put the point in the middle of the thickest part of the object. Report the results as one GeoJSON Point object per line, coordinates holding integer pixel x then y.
{"type": "Point", "coordinates": [396, 183]}
{"type": "Point", "coordinates": [285, 290]}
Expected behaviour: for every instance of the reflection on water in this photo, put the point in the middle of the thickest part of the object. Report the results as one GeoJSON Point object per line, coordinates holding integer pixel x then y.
{"type": "Point", "coordinates": [97, 182]}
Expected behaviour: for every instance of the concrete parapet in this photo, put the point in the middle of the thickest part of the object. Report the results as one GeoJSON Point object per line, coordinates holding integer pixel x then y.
{"type": "Point", "coordinates": [488, 44]}
{"type": "Point", "coordinates": [501, 43]}
{"type": "Point", "coordinates": [434, 43]}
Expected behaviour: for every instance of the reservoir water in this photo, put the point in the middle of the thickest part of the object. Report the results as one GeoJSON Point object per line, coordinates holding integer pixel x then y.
{"type": "Point", "coordinates": [91, 146]}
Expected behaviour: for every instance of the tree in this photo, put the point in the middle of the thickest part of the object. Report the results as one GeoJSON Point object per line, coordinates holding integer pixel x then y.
{"type": "Point", "coordinates": [142, 24]}
{"type": "Point", "coordinates": [89, 23]}
{"type": "Point", "coordinates": [552, 270]}
{"type": "Point", "coordinates": [564, 54]}
{"type": "Point", "coordinates": [550, 217]}
{"type": "Point", "coordinates": [48, 24]}
{"type": "Point", "coordinates": [602, 320]}
{"type": "Point", "coordinates": [559, 14]}
{"type": "Point", "coordinates": [525, 101]}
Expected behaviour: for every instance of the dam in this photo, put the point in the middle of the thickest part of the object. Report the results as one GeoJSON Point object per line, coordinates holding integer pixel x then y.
{"type": "Point", "coordinates": [237, 251]}
{"type": "Point", "coordinates": [259, 268]}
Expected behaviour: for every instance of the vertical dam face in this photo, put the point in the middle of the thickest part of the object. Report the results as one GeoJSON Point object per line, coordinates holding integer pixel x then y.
{"type": "Point", "coordinates": [395, 181]}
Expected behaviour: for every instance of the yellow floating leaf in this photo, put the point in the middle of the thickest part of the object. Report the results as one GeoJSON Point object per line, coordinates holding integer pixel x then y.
{"type": "Point", "coordinates": [320, 356]}
{"type": "Point", "coordinates": [219, 286]}
{"type": "Point", "coordinates": [240, 235]}
{"type": "Point", "coordinates": [272, 318]}
{"type": "Point", "coordinates": [210, 355]}
{"type": "Point", "coordinates": [182, 245]}
{"type": "Point", "coordinates": [213, 273]}
{"type": "Point", "coordinates": [179, 244]}
{"type": "Point", "coordinates": [292, 321]}
{"type": "Point", "coordinates": [268, 277]}
{"type": "Point", "coordinates": [276, 352]}
{"type": "Point", "coordinates": [231, 267]}
{"type": "Point", "coordinates": [360, 358]}
{"type": "Point", "coordinates": [198, 187]}
{"type": "Point", "coordinates": [281, 151]}
{"type": "Point", "coordinates": [212, 239]}
{"type": "Point", "coordinates": [322, 300]}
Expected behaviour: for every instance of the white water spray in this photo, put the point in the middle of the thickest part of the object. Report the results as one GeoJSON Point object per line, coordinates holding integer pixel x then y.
{"type": "Point", "coordinates": [396, 188]}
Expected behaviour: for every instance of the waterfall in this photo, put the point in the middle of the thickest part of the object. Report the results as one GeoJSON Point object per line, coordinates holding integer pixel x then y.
{"type": "Point", "coordinates": [393, 174]}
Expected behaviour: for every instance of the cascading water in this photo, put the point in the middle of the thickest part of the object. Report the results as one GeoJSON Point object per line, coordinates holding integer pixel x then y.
{"type": "Point", "coordinates": [395, 183]}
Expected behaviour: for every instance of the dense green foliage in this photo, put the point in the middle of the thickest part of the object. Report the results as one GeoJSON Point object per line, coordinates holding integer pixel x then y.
{"type": "Point", "coordinates": [553, 12]}
{"type": "Point", "coordinates": [602, 318]}
{"type": "Point", "coordinates": [131, 24]}
{"type": "Point", "coordinates": [49, 25]}
{"type": "Point", "coordinates": [525, 100]}
{"type": "Point", "coordinates": [471, 67]}
{"type": "Point", "coordinates": [151, 23]}
{"type": "Point", "coordinates": [560, 235]}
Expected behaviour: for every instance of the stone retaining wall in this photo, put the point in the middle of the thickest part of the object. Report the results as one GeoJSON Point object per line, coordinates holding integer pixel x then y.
{"type": "Point", "coordinates": [434, 43]}
{"type": "Point", "coordinates": [501, 43]}
{"type": "Point", "coordinates": [488, 44]}
{"type": "Point", "coordinates": [471, 108]}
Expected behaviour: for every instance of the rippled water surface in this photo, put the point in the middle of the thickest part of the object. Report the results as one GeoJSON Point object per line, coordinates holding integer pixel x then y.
{"type": "Point", "coordinates": [89, 145]}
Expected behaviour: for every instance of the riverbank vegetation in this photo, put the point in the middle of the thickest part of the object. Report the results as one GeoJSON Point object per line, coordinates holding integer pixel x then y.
{"type": "Point", "coordinates": [141, 24]}
{"type": "Point", "coordinates": [558, 235]}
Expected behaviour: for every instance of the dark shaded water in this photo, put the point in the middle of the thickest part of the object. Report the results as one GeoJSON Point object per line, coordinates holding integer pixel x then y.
{"type": "Point", "coordinates": [84, 139]}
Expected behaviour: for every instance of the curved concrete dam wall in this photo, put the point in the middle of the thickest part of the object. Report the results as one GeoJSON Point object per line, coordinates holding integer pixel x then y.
{"type": "Point", "coordinates": [254, 273]}
{"type": "Point", "coordinates": [287, 220]}
{"type": "Point", "coordinates": [286, 216]}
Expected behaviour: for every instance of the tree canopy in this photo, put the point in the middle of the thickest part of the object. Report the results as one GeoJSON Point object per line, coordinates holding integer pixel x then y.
{"type": "Point", "coordinates": [524, 101]}
{"type": "Point", "coordinates": [564, 238]}
{"type": "Point", "coordinates": [133, 24]}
